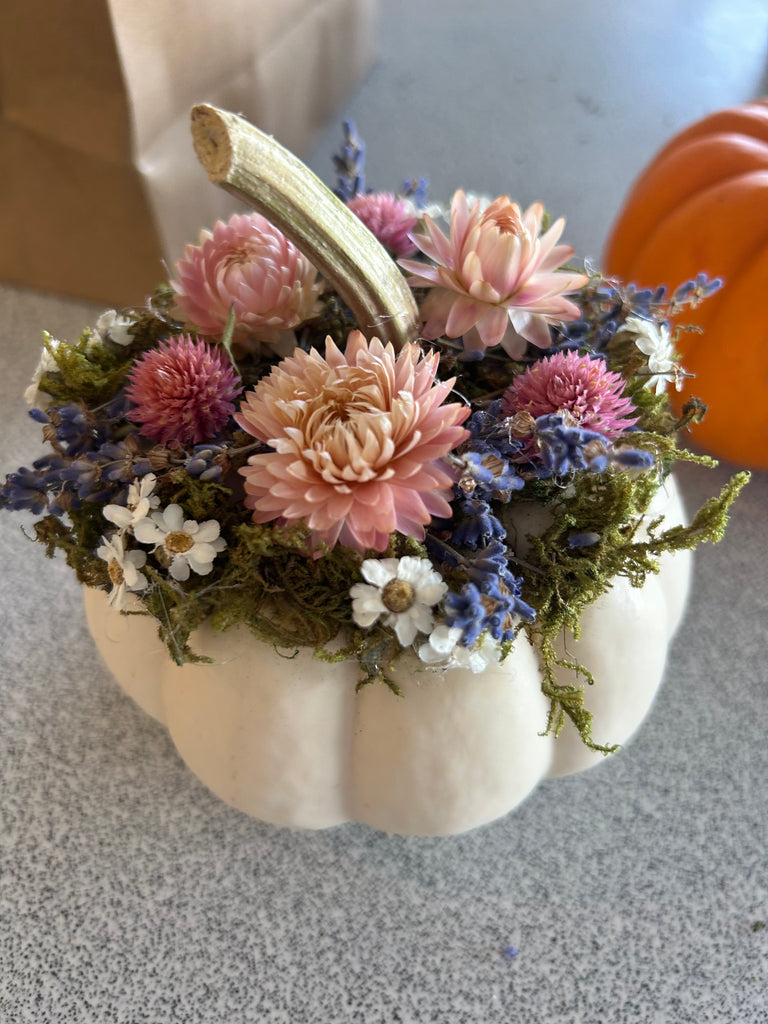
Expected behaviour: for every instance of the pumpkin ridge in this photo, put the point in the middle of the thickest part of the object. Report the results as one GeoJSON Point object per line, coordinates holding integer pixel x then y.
{"type": "Point", "coordinates": [672, 179]}
{"type": "Point", "coordinates": [689, 241]}
{"type": "Point", "coordinates": [750, 119]}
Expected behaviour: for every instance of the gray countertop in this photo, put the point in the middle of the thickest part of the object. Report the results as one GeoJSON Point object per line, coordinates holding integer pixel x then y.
{"type": "Point", "coordinates": [637, 891]}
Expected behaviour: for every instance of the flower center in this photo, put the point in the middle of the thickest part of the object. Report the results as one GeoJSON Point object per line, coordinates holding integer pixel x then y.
{"type": "Point", "coordinates": [507, 220]}
{"type": "Point", "coordinates": [337, 407]}
{"type": "Point", "coordinates": [239, 255]}
{"type": "Point", "coordinates": [115, 571]}
{"type": "Point", "coordinates": [178, 542]}
{"type": "Point", "coordinates": [398, 595]}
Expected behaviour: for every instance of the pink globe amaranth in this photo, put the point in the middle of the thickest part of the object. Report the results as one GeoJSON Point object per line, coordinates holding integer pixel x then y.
{"type": "Point", "coordinates": [390, 219]}
{"type": "Point", "coordinates": [495, 277]}
{"type": "Point", "coordinates": [248, 265]}
{"type": "Point", "coordinates": [357, 443]}
{"type": "Point", "coordinates": [579, 385]}
{"type": "Point", "coordinates": [182, 392]}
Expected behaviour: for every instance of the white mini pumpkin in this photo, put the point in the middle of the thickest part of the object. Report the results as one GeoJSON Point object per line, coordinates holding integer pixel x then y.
{"type": "Point", "coordinates": [288, 740]}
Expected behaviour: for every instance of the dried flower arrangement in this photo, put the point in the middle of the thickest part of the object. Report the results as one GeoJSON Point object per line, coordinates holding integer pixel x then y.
{"type": "Point", "coordinates": [267, 443]}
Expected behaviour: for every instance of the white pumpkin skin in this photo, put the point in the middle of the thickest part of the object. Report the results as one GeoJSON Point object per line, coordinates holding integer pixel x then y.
{"type": "Point", "coordinates": [289, 741]}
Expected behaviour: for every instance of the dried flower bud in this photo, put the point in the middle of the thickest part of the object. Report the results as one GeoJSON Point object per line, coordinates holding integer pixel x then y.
{"type": "Point", "coordinates": [467, 484]}
{"type": "Point", "coordinates": [569, 420]}
{"type": "Point", "coordinates": [521, 424]}
{"type": "Point", "coordinates": [162, 556]}
{"type": "Point", "coordinates": [592, 449]}
{"type": "Point", "coordinates": [493, 463]}
{"type": "Point", "coordinates": [159, 457]}
{"type": "Point", "coordinates": [64, 500]}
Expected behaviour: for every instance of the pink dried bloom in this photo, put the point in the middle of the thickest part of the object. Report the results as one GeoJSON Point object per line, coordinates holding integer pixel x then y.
{"type": "Point", "coordinates": [357, 439]}
{"type": "Point", "coordinates": [183, 391]}
{"type": "Point", "coordinates": [579, 385]}
{"type": "Point", "coordinates": [390, 219]}
{"type": "Point", "coordinates": [246, 263]}
{"type": "Point", "coordinates": [495, 274]}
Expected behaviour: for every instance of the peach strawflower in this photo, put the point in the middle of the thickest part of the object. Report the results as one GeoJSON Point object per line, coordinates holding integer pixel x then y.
{"type": "Point", "coordinates": [390, 219]}
{"type": "Point", "coordinates": [496, 278]}
{"type": "Point", "coordinates": [578, 385]}
{"type": "Point", "coordinates": [357, 438]}
{"type": "Point", "coordinates": [182, 391]}
{"type": "Point", "coordinates": [246, 263]}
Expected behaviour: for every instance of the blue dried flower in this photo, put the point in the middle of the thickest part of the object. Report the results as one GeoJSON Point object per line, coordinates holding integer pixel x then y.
{"type": "Point", "coordinates": [74, 430]}
{"type": "Point", "coordinates": [416, 191]}
{"type": "Point", "coordinates": [205, 462]}
{"type": "Point", "coordinates": [565, 449]}
{"type": "Point", "coordinates": [583, 540]}
{"type": "Point", "coordinates": [631, 458]}
{"type": "Point", "coordinates": [121, 460]}
{"type": "Point", "coordinates": [466, 612]}
{"type": "Point", "coordinates": [349, 164]}
{"type": "Point", "coordinates": [693, 292]}
{"type": "Point", "coordinates": [42, 488]}
{"type": "Point", "coordinates": [478, 525]}
{"type": "Point", "coordinates": [487, 475]}
{"type": "Point", "coordinates": [492, 606]}
{"type": "Point", "coordinates": [489, 430]}
{"type": "Point", "coordinates": [83, 476]}
{"type": "Point", "coordinates": [490, 561]}
{"type": "Point", "coordinates": [571, 449]}
{"type": "Point", "coordinates": [25, 489]}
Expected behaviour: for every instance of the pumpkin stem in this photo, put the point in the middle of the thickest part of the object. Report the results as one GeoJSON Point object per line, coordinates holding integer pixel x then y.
{"type": "Point", "coordinates": [259, 171]}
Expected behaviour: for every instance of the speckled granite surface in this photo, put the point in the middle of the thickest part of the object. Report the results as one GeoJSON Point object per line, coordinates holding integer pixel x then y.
{"type": "Point", "coordinates": [637, 892]}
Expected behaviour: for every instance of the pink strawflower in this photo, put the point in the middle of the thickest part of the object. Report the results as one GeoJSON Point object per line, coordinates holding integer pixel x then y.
{"type": "Point", "coordinates": [495, 279]}
{"type": "Point", "coordinates": [246, 263]}
{"type": "Point", "coordinates": [570, 383]}
{"type": "Point", "coordinates": [390, 219]}
{"type": "Point", "coordinates": [357, 439]}
{"type": "Point", "coordinates": [183, 391]}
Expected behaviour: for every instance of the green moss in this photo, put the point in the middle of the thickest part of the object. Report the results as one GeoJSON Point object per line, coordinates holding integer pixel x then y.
{"type": "Point", "coordinates": [85, 372]}
{"type": "Point", "coordinates": [565, 580]}
{"type": "Point", "coordinates": [78, 543]}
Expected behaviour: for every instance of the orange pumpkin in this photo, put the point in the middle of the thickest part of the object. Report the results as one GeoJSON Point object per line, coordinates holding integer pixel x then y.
{"type": "Point", "coordinates": [702, 205]}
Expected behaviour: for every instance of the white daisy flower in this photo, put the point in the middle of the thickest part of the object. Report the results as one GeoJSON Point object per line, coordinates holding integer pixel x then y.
{"type": "Point", "coordinates": [46, 364]}
{"type": "Point", "coordinates": [140, 503]}
{"type": "Point", "coordinates": [485, 652]}
{"type": "Point", "coordinates": [188, 544]}
{"type": "Point", "coordinates": [402, 590]}
{"type": "Point", "coordinates": [112, 326]}
{"type": "Point", "coordinates": [123, 568]}
{"type": "Point", "coordinates": [440, 646]}
{"type": "Point", "coordinates": [655, 341]}
{"type": "Point", "coordinates": [442, 650]}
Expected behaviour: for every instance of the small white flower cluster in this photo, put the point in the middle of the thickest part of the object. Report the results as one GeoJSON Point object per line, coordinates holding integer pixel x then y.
{"type": "Point", "coordinates": [185, 543]}
{"type": "Point", "coordinates": [655, 341]}
{"type": "Point", "coordinates": [113, 326]}
{"type": "Point", "coordinates": [33, 396]}
{"type": "Point", "coordinates": [444, 651]}
{"type": "Point", "coordinates": [402, 593]}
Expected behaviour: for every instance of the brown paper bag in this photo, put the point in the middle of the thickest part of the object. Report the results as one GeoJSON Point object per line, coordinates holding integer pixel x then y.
{"type": "Point", "coordinates": [98, 178]}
